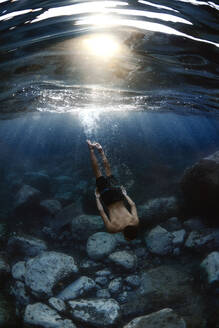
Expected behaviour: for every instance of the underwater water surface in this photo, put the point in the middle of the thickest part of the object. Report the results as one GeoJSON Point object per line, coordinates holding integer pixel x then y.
{"type": "Point", "coordinates": [140, 78]}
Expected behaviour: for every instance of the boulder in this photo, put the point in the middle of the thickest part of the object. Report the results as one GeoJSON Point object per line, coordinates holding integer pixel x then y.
{"type": "Point", "coordinates": [95, 312]}
{"type": "Point", "coordinates": [83, 226]}
{"type": "Point", "coordinates": [159, 241]}
{"type": "Point", "coordinates": [25, 246]}
{"type": "Point", "coordinates": [57, 304]}
{"type": "Point", "coordinates": [157, 210]}
{"type": "Point", "coordinates": [50, 206]}
{"type": "Point", "coordinates": [100, 245]}
{"type": "Point", "coordinates": [42, 315]}
{"type": "Point", "coordinates": [78, 288]}
{"type": "Point", "coordinates": [200, 186]}
{"type": "Point", "coordinates": [46, 270]}
{"type": "Point", "coordinates": [18, 270]}
{"type": "Point", "coordinates": [165, 318]}
{"type": "Point", "coordinates": [26, 198]}
{"type": "Point", "coordinates": [38, 180]}
{"type": "Point", "coordinates": [178, 237]}
{"type": "Point", "coordinates": [211, 266]}
{"type": "Point", "coordinates": [203, 240]}
{"type": "Point", "coordinates": [125, 260]}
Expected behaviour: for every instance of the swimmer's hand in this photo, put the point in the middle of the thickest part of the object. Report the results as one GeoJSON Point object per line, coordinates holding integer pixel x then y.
{"type": "Point", "coordinates": [97, 194]}
{"type": "Point", "coordinates": [123, 190]}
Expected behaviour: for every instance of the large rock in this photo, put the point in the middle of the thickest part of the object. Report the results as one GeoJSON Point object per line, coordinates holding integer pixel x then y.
{"type": "Point", "coordinates": [165, 318]}
{"type": "Point", "coordinates": [83, 226]}
{"type": "Point", "coordinates": [26, 198]}
{"type": "Point", "coordinates": [159, 241]}
{"type": "Point", "coordinates": [200, 186]}
{"type": "Point", "coordinates": [45, 271]}
{"type": "Point", "coordinates": [203, 240]}
{"type": "Point", "coordinates": [100, 244]}
{"type": "Point", "coordinates": [38, 180]}
{"type": "Point", "coordinates": [158, 210]}
{"type": "Point", "coordinates": [163, 287]}
{"type": "Point", "coordinates": [40, 314]}
{"type": "Point", "coordinates": [211, 267]}
{"type": "Point", "coordinates": [80, 287]}
{"type": "Point", "coordinates": [96, 312]}
{"type": "Point", "coordinates": [25, 246]}
{"type": "Point", "coordinates": [125, 260]}
{"type": "Point", "coordinates": [18, 270]}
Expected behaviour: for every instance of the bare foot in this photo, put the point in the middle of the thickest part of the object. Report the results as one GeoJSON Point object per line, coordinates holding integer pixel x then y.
{"type": "Point", "coordinates": [90, 145]}
{"type": "Point", "coordinates": [99, 147]}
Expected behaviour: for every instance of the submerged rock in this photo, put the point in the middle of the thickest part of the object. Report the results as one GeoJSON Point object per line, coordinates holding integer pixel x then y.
{"type": "Point", "coordinates": [18, 270]}
{"type": "Point", "coordinates": [45, 271]}
{"type": "Point", "coordinates": [158, 210]}
{"type": "Point", "coordinates": [57, 304]}
{"type": "Point", "coordinates": [26, 246]}
{"type": "Point", "coordinates": [200, 186]}
{"type": "Point", "coordinates": [115, 285]}
{"type": "Point", "coordinates": [165, 318]}
{"type": "Point", "coordinates": [50, 206]}
{"type": "Point", "coordinates": [96, 312]}
{"type": "Point", "coordinates": [100, 245]}
{"type": "Point", "coordinates": [20, 293]}
{"type": "Point", "coordinates": [159, 241]}
{"type": "Point", "coordinates": [42, 315]}
{"type": "Point", "coordinates": [80, 287]}
{"type": "Point", "coordinates": [37, 180]}
{"type": "Point", "coordinates": [125, 260]}
{"type": "Point", "coordinates": [211, 267]}
{"type": "Point", "coordinates": [203, 240]}
{"type": "Point", "coordinates": [83, 226]}
{"type": "Point", "coordinates": [26, 198]}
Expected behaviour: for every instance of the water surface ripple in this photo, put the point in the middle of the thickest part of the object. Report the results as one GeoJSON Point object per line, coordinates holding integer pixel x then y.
{"type": "Point", "coordinates": [67, 55]}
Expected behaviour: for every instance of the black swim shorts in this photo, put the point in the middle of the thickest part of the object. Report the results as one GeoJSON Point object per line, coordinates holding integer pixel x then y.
{"type": "Point", "coordinates": [109, 189]}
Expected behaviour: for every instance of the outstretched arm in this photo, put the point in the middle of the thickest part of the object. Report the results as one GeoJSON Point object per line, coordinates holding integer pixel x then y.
{"type": "Point", "coordinates": [131, 203]}
{"type": "Point", "coordinates": [102, 212]}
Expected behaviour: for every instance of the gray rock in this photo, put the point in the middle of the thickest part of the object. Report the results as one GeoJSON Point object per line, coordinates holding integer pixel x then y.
{"type": "Point", "coordinates": [96, 312]}
{"type": "Point", "coordinates": [121, 239]}
{"type": "Point", "coordinates": [51, 206]}
{"type": "Point", "coordinates": [100, 244]}
{"type": "Point", "coordinates": [57, 304]}
{"type": "Point", "coordinates": [133, 281]}
{"type": "Point", "coordinates": [165, 318]}
{"type": "Point", "coordinates": [93, 223]}
{"type": "Point", "coordinates": [88, 264]}
{"type": "Point", "coordinates": [159, 241]}
{"type": "Point", "coordinates": [103, 273]}
{"type": "Point", "coordinates": [199, 241]}
{"type": "Point", "coordinates": [18, 270]}
{"type": "Point", "coordinates": [115, 286]}
{"type": "Point", "coordinates": [122, 298]}
{"type": "Point", "coordinates": [101, 281]}
{"type": "Point", "coordinates": [211, 267]}
{"type": "Point", "coordinates": [26, 197]}
{"type": "Point", "coordinates": [20, 293]}
{"type": "Point", "coordinates": [124, 259]}
{"type": "Point", "coordinates": [65, 198]}
{"type": "Point", "coordinates": [158, 210]}
{"type": "Point", "coordinates": [26, 246]}
{"type": "Point", "coordinates": [4, 267]}
{"type": "Point", "coordinates": [178, 237]}
{"type": "Point", "coordinates": [200, 186]}
{"type": "Point", "coordinates": [78, 288]}
{"type": "Point", "coordinates": [172, 224]}
{"type": "Point", "coordinates": [40, 314]}
{"type": "Point", "coordinates": [193, 224]}
{"type": "Point", "coordinates": [45, 271]}
{"type": "Point", "coordinates": [103, 293]}
{"type": "Point", "coordinates": [37, 180]}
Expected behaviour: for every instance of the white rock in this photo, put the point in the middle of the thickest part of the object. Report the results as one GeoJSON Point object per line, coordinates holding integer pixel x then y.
{"type": "Point", "coordinates": [18, 270]}
{"type": "Point", "coordinates": [80, 287]}
{"type": "Point", "coordinates": [100, 244]}
{"type": "Point", "coordinates": [57, 304]}
{"type": "Point", "coordinates": [39, 314]}
{"type": "Point", "coordinates": [159, 241]}
{"type": "Point", "coordinates": [165, 318]}
{"type": "Point", "coordinates": [45, 271]}
{"type": "Point", "coordinates": [96, 312]}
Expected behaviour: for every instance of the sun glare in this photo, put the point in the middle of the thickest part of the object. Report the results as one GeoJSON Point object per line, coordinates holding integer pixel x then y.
{"type": "Point", "coordinates": [102, 46]}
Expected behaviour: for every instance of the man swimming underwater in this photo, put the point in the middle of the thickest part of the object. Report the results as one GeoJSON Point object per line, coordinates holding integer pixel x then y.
{"type": "Point", "coordinates": [112, 195]}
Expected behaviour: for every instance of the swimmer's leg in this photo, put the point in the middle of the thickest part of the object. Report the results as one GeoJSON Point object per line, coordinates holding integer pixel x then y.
{"type": "Point", "coordinates": [104, 159]}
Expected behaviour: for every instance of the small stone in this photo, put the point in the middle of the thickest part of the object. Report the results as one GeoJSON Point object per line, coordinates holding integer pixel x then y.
{"type": "Point", "coordinates": [115, 285]}
{"type": "Point", "coordinates": [211, 267]}
{"type": "Point", "coordinates": [124, 259]}
{"type": "Point", "coordinates": [159, 241]}
{"type": "Point", "coordinates": [103, 293]}
{"type": "Point", "coordinates": [133, 281]}
{"type": "Point", "coordinates": [101, 281]}
{"type": "Point", "coordinates": [104, 273]}
{"type": "Point", "coordinates": [80, 287]}
{"type": "Point", "coordinates": [57, 304]}
{"type": "Point", "coordinates": [100, 244]}
{"type": "Point", "coordinates": [178, 237]}
{"type": "Point", "coordinates": [122, 298]}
